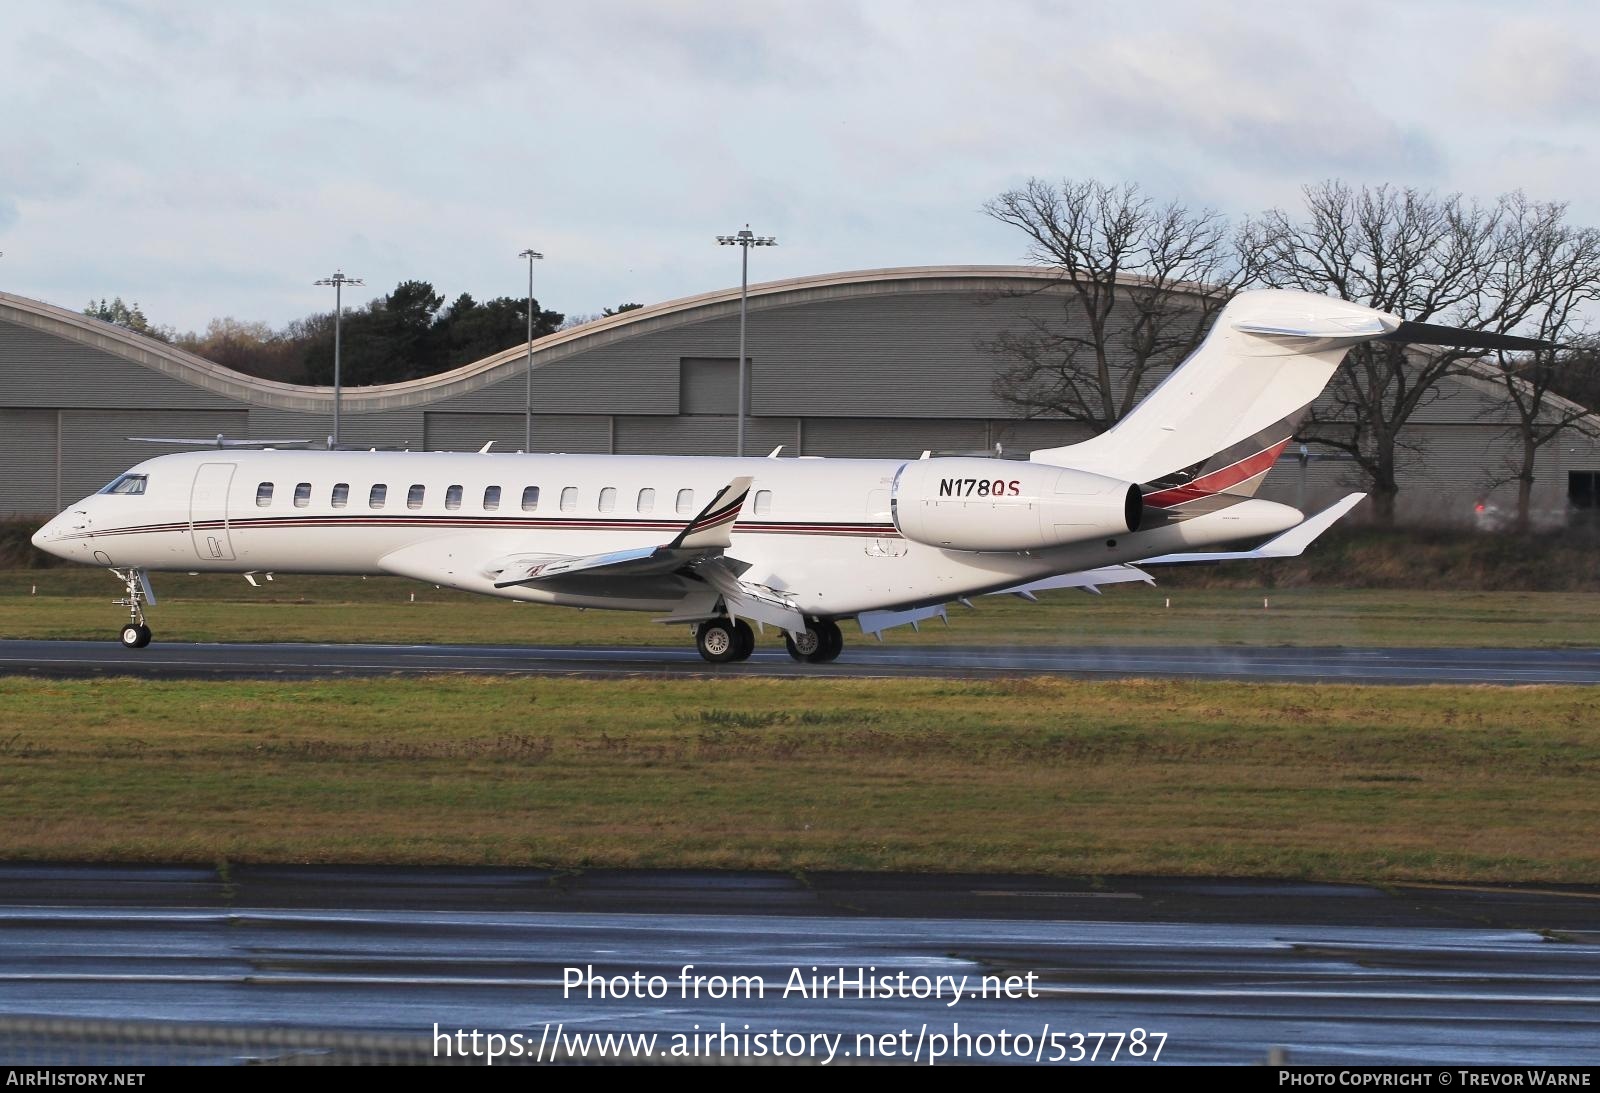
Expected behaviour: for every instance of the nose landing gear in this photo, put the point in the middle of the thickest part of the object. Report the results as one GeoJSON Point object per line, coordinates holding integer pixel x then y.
{"type": "Point", "coordinates": [136, 634]}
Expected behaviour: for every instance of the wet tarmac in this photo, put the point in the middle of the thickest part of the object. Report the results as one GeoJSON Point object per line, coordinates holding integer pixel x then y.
{"type": "Point", "coordinates": [1220, 971]}
{"type": "Point", "coordinates": [291, 660]}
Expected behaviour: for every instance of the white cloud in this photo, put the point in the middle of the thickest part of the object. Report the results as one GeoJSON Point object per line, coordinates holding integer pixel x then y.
{"type": "Point", "coordinates": [215, 158]}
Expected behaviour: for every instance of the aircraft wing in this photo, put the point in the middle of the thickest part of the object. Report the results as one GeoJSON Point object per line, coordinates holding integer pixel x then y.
{"type": "Point", "coordinates": [876, 622]}
{"type": "Point", "coordinates": [640, 562]}
{"type": "Point", "coordinates": [220, 441]}
{"type": "Point", "coordinates": [702, 540]}
{"type": "Point", "coordinates": [1089, 580]}
{"type": "Point", "coordinates": [1290, 544]}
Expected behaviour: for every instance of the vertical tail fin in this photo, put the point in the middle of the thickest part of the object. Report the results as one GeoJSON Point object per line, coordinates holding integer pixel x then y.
{"type": "Point", "coordinates": [1267, 357]}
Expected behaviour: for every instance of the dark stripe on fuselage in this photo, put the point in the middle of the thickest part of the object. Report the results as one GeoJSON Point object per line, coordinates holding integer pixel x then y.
{"type": "Point", "coordinates": [259, 523]}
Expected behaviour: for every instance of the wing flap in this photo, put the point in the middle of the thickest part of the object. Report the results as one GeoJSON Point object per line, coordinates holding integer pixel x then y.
{"type": "Point", "coordinates": [639, 562]}
{"type": "Point", "coordinates": [876, 622]}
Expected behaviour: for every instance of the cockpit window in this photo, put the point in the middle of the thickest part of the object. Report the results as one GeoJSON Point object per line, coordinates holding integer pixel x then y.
{"type": "Point", "coordinates": [127, 483]}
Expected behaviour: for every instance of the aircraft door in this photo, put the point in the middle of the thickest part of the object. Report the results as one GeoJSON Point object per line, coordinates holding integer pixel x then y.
{"type": "Point", "coordinates": [208, 512]}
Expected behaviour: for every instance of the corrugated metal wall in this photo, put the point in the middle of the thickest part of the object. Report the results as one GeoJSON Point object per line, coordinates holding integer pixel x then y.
{"type": "Point", "coordinates": [95, 446]}
{"type": "Point", "coordinates": [48, 372]}
{"type": "Point", "coordinates": [30, 483]}
{"type": "Point", "coordinates": [885, 370]}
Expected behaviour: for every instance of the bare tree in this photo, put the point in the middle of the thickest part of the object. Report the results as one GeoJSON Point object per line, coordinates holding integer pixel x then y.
{"type": "Point", "coordinates": [1143, 283]}
{"type": "Point", "coordinates": [1543, 415]}
{"type": "Point", "coordinates": [1558, 266]}
{"type": "Point", "coordinates": [1417, 255]}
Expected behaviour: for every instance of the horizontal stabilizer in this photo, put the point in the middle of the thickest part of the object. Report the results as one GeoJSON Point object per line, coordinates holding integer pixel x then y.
{"type": "Point", "coordinates": [1429, 334]}
{"type": "Point", "coordinates": [1290, 544]}
{"type": "Point", "coordinates": [1327, 326]}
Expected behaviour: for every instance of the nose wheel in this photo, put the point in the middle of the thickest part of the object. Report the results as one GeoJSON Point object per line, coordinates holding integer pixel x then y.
{"type": "Point", "coordinates": [819, 643]}
{"type": "Point", "coordinates": [137, 593]}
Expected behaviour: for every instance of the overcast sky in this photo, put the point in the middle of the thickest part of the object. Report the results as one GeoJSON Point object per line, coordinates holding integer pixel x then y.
{"type": "Point", "coordinates": [215, 158]}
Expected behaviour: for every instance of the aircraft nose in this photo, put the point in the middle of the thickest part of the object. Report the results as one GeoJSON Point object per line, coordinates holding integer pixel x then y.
{"type": "Point", "coordinates": [48, 538]}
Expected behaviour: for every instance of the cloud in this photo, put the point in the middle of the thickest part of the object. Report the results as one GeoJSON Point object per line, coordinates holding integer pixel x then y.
{"type": "Point", "coordinates": [214, 159]}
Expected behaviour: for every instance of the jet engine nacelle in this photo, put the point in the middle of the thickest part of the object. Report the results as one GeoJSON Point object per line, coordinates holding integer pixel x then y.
{"type": "Point", "coordinates": [1002, 505]}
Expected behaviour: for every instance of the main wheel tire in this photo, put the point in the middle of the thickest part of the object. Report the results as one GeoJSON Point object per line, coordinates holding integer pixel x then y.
{"type": "Point", "coordinates": [135, 636]}
{"type": "Point", "coordinates": [806, 646]}
{"type": "Point", "coordinates": [820, 643]}
{"type": "Point", "coordinates": [747, 639]}
{"type": "Point", "coordinates": [718, 641]}
{"type": "Point", "coordinates": [832, 641]}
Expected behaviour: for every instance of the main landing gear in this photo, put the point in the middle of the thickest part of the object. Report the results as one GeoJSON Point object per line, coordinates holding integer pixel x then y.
{"type": "Point", "coordinates": [819, 643]}
{"type": "Point", "coordinates": [724, 640]}
{"type": "Point", "coordinates": [136, 634]}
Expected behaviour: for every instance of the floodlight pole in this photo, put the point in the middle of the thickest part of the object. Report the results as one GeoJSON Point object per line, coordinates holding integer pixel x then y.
{"type": "Point", "coordinates": [527, 413]}
{"type": "Point", "coordinates": [338, 281]}
{"type": "Point", "coordinates": [744, 240]}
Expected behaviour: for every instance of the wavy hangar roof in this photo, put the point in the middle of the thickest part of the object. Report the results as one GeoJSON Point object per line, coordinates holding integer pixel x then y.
{"type": "Point", "coordinates": [551, 349]}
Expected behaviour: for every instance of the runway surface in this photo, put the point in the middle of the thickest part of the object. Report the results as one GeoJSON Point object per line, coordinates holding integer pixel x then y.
{"type": "Point", "coordinates": [861, 659]}
{"type": "Point", "coordinates": [1227, 970]}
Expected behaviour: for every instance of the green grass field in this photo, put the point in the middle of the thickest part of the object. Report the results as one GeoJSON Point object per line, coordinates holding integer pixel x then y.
{"type": "Point", "coordinates": [1429, 783]}
{"type": "Point", "coordinates": [1349, 783]}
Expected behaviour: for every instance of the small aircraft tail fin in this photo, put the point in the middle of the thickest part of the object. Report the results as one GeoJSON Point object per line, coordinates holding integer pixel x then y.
{"type": "Point", "coordinates": [1232, 404]}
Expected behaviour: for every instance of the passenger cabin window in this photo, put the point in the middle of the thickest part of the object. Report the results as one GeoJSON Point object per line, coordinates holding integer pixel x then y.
{"type": "Point", "coordinates": [530, 498]}
{"type": "Point", "coordinates": [763, 502]}
{"type": "Point", "coordinates": [302, 495]}
{"type": "Point", "coordinates": [263, 495]}
{"type": "Point", "coordinates": [452, 498]}
{"type": "Point", "coordinates": [341, 495]}
{"type": "Point", "coordinates": [376, 498]}
{"type": "Point", "coordinates": [686, 502]}
{"type": "Point", "coordinates": [414, 497]}
{"type": "Point", "coordinates": [125, 484]}
{"type": "Point", "coordinates": [647, 500]}
{"type": "Point", "coordinates": [491, 498]}
{"type": "Point", "coordinates": [608, 499]}
{"type": "Point", "coordinates": [569, 499]}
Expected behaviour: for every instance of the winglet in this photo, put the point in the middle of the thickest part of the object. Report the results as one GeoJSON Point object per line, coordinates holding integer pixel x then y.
{"type": "Point", "coordinates": [714, 525]}
{"type": "Point", "coordinates": [1290, 544]}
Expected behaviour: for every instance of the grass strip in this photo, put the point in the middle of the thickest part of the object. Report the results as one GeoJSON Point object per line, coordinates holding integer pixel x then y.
{"type": "Point", "coordinates": [1054, 776]}
{"type": "Point", "coordinates": [75, 604]}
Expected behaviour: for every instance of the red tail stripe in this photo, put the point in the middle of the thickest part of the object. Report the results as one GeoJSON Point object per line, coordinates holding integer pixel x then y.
{"type": "Point", "coordinates": [1218, 480]}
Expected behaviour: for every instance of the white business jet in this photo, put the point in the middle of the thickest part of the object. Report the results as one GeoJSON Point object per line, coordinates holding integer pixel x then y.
{"type": "Point", "coordinates": [798, 544]}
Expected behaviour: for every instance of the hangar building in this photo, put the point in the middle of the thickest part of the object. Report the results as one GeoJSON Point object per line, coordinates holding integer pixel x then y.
{"type": "Point", "coordinates": [887, 362]}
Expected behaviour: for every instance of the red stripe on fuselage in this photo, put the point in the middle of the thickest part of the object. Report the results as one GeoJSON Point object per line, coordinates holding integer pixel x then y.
{"type": "Point", "coordinates": [1218, 481]}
